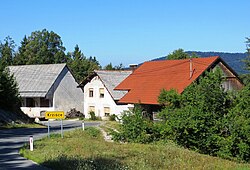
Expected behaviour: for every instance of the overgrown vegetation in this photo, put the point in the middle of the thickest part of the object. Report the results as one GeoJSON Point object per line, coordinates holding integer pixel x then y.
{"type": "Point", "coordinates": [112, 117]}
{"type": "Point", "coordinates": [136, 128]}
{"type": "Point", "coordinates": [9, 95]}
{"type": "Point", "coordinates": [203, 118]}
{"type": "Point", "coordinates": [86, 150]}
{"type": "Point", "coordinates": [196, 119]}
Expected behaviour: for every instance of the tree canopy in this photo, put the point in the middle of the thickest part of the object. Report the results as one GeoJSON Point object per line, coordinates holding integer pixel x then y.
{"type": "Point", "coordinates": [180, 54]}
{"type": "Point", "coordinates": [81, 66]}
{"type": "Point", "coordinates": [41, 47]}
{"type": "Point", "coordinates": [7, 51]}
{"type": "Point", "coordinates": [9, 95]}
{"type": "Point", "coordinates": [46, 47]}
{"type": "Point", "coordinates": [111, 67]}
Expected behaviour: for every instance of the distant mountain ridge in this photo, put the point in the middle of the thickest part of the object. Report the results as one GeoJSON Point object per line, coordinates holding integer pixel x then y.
{"type": "Point", "coordinates": [234, 60]}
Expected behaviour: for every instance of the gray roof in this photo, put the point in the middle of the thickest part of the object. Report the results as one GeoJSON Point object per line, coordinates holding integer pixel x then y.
{"type": "Point", "coordinates": [36, 80]}
{"type": "Point", "coordinates": [111, 79]}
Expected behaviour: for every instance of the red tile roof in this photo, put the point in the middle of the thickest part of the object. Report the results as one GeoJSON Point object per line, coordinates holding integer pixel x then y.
{"type": "Point", "coordinates": [146, 82]}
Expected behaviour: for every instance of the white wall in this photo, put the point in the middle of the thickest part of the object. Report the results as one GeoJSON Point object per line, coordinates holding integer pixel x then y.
{"type": "Point", "coordinates": [34, 112]}
{"type": "Point", "coordinates": [67, 95]}
{"type": "Point", "coordinates": [98, 102]}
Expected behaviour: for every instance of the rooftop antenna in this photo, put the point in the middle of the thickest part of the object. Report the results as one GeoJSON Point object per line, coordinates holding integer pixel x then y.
{"type": "Point", "coordinates": [190, 67]}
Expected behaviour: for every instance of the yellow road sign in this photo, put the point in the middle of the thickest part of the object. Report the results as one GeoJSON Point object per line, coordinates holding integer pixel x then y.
{"type": "Point", "coordinates": [54, 115]}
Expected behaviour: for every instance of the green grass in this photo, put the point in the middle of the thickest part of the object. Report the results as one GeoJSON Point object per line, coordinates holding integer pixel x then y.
{"type": "Point", "coordinates": [87, 150]}
{"type": "Point", "coordinates": [16, 126]}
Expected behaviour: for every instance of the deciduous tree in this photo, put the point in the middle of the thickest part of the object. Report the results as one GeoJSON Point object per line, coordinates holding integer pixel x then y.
{"type": "Point", "coordinates": [41, 47]}
{"type": "Point", "coordinates": [197, 121]}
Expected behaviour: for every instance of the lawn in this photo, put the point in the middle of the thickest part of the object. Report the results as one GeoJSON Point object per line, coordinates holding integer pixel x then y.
{"type": "Point", "coordinates": [87, 150]}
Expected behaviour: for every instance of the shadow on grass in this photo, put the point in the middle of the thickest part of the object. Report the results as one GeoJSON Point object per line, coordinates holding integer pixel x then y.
{"type": "Point", "coordinates": [74, 162]}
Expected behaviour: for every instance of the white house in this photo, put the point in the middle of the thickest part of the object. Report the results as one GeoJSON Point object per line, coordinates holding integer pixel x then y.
{"type": "Point", "coordinates": [47, 87]}
{"type": "Point", "coordinates": [100, 96]}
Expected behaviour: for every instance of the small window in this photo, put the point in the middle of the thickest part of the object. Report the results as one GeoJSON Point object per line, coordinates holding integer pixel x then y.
{"type": "Point", "coordinates": [91, 92]}
{"type": "Point", "coordinates": [91, 108]}
{"type": "Point", "coordinates": [107, 111]}
{"type": "Point", "coordinates": [101, 90]}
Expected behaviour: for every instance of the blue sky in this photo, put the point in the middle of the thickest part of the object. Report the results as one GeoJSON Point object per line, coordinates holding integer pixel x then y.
{"type": "Point", "coordinates": [131, 31]}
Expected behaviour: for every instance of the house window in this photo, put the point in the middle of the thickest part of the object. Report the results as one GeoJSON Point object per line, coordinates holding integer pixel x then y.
{"type": "Point", "coordinates": [91, 108]}
{"type": "Point", "coordinates": [107, 111]}
{"type": "Point", "coordinates": [101, 91]}
{"type": "Point", "coordinates": [30, 102]}
{"type": "Point", "coordinates": [91, 92]}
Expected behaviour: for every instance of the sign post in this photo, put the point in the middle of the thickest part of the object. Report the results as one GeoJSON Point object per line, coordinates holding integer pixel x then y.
{"type": "Point", "coordinates": [55, 115]}
{"type": "Point", "coordinates": [83, 126]}
{"type": "Point", "coordinates": [31, 143]}
{"type": "Point", "coordinates": [48, 129]}
{"type": "Point", "coordinates": [61, 128]}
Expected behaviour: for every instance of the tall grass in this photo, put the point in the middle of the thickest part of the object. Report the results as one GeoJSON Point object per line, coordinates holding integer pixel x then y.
{"type": "Point", "coordinates": [87, 150]}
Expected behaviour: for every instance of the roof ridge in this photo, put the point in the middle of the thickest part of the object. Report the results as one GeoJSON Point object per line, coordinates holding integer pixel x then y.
{"type": "Point", "coordinates": [26, 65]}
{"type": "Point", "coordinates": [112, 70]}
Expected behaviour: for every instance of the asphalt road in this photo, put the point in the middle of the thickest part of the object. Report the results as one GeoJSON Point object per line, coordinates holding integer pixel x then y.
{"type": "Point", "coordinates": [12, 140]}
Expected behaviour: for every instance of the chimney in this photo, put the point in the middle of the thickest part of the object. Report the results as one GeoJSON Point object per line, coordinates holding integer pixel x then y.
{"type": "Point", "coordinates": [133, 67]}
{"type": "Point", "coordinates": [190, 68]}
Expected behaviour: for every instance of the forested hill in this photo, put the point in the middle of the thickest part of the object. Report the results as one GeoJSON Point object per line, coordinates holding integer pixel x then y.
{"type": "Point", "coordinates": [234, 60]}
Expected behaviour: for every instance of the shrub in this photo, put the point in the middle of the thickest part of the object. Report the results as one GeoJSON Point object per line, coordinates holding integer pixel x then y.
{"type": "Point", "coordinates": [239, 125]}
{"type": "Point", "coordinates": [112, 117]}
{"type": "Point", "coordinates": [92, 115]}
{"type": "Point", "coordinates": [196, 119]}
{"type": "Point", "coordinates": [135, 128]}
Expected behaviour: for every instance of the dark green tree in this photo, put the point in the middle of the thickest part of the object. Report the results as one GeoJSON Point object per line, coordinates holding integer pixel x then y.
{"type": "Point", "coordinates": [7, 51]}
{"type": "Point", "coordinates": [109, 67]}
{"type": "Point", "coordinates": [41, 47]}
{"type": "Point", "coordinates": [119, 67]}
{"type": "Point", "coordinates": [196, 121]}
{"type": "Point", "coordinates": [239, 125]}
{"type": "Point", "coordinates": [20, 58]}
{"type": "Point", "coordinates": [9, 95]}
{"type": "Point", "coordinates": [81, 66]}
{"type": "Point", "coordinates": [177, 55]}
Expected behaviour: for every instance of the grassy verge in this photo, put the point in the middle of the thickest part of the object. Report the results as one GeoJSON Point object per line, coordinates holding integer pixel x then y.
{"type": "Point", "coordinates": [109, 126]}
{"type": "Point", "coordinates": [87, 150]}
{"type": "Point", "coordinates": [16, 126]}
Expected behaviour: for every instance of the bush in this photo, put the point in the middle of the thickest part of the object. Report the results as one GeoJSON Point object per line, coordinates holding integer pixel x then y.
{"type": "Point", "coordinates": [196, 119]}
{"type": "Point", "coordinates": [92, 115]}
{"type": "Point", "coordinates": [112, 117]}
{"type": "Point", "coordinates": [135, 128]}
{"type": "Point", "coordinates": [239, 125]}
